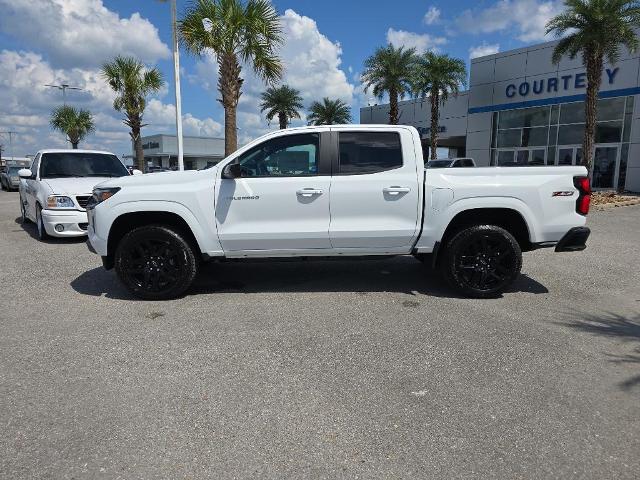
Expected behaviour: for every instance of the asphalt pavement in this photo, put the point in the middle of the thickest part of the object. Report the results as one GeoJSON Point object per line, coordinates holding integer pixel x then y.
{"type": "Point", "coordinates": [320, 369]}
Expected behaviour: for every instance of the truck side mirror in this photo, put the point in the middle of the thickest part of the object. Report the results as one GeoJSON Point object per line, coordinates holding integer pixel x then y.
{"type": "Point", "coordinates": [24, 173]}
{"type": "Point", "coordinates": [233, 170]}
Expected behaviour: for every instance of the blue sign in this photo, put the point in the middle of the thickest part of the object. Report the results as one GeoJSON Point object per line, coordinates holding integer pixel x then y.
{"type": "Point", "coordinates": [553, 84]}
{"type": "Point", "coordinates": [427, 130]}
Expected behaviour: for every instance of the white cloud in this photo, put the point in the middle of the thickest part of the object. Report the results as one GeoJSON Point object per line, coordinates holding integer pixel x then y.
{"type": "Point", "coordinates": [526, 17]}
{"type": "Point", "coordinates": [80, 33]}
{"type": "Point", "coordinates": [312, 66]}
{"type": "Point", "coordinates": [421, 42]}
{"type": "Point", "coordinates": [27, 104]}
{"type": "Point", "coordinates": [483, 50]}
{"type": "Point", "coordinates": [432, 15]}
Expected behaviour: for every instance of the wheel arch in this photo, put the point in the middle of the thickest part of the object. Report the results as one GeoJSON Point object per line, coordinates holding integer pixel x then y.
{"type": "Point", "coordinates": [126, 222]}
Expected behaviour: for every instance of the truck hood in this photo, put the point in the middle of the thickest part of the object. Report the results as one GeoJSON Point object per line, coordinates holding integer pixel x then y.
{"type": "Point", "coordinates": [158, 179]}
{"type": "Point", "coordinates": [74, 185]}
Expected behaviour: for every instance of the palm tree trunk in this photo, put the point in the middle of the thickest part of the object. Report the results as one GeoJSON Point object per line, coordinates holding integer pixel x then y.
{"type": "Point", "coordinates": [594, 78]}
{"type": "Point", "coordinates": [74, 145]}
{"type": "Point", "coordinates": [435, 115]}
{"type": "Point", "coordinates": [229, 86]}
{"type": "Point", "coordinates": [282, 118]}
{"type": "Point", "coordinates": [393, 107]}
{"type": "Point", "coordinates": [137, 146]}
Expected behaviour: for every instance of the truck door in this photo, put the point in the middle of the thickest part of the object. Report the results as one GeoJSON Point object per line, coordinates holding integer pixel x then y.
{"type": "Point", "coordinates": [281, 201]}
{"type": "Point", "coordinates": [375, 190]}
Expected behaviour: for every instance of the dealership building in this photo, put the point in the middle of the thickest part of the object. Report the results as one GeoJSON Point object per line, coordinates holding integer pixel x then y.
{"type": "Point", "coordinates": [198, 152]}
{"type": "Point", "coordinates": [522, 109]}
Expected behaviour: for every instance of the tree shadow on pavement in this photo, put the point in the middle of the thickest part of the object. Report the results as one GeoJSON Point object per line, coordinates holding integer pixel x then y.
{"type": "Point", "coordinates": [399, 274]}
{"type": "Point", "coordinates": [613, 325]}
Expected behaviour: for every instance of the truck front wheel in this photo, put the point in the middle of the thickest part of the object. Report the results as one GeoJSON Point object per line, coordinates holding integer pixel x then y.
{"type": "Point", "coordinates": [482, 261]}
{"type": "Point", "coordinates": [155, 262]}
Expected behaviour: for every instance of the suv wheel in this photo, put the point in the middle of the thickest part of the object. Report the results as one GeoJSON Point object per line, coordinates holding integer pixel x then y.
{"type": "Point", "coordinates": [482, 261]}
{"type": "Point", "coordinates": [42, 233]}
{"type": "Point", "coordinates": [155, 263]}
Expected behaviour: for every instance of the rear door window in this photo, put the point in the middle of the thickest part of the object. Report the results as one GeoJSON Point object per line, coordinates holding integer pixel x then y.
{"type": "Point", "coordinates": [368, 152]}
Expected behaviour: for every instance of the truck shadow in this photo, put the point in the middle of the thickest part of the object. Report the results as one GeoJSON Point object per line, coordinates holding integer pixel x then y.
{"type": "Point", "coordinates": [400, 274]}
{"type": "Point", "coordinates": [616, 326]}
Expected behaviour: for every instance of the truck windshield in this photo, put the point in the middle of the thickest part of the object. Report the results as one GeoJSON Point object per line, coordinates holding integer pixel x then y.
{"type": "Point", "coordinates": [438, 163]}
{"type": "Point", "coordinates": [72, 164]}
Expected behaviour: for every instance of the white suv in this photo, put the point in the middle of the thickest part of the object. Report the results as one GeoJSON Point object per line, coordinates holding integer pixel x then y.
{"type": "Point", "coordinates": [57, 187]}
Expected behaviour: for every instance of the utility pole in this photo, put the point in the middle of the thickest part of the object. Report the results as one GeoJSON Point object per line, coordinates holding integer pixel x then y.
{"type": "Point", "coordinates": [64, 87]}
{"type": "Point", "coordinates": [10, 142]}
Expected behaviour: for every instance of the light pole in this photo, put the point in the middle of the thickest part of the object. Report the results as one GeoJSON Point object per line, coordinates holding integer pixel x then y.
{"type": "Point", "coordinates": [176, 79]}
{"type": "Point", "coordinates": [64, 87]}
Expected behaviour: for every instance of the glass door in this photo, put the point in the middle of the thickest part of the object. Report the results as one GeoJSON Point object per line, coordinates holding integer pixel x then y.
{"type": "Point", "coordinates": [604, 167]}
{"type": "Point", "coordinates": [571, 155]}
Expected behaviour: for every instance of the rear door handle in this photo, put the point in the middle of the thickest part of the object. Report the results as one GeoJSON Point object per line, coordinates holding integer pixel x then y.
{"type": "Point", "coordinates": [309, 192]}
{"type": "Point", "coordinates": [396, 190]}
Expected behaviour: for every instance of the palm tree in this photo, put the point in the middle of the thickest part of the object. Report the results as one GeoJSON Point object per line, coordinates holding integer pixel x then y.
{"type": "Point", "coordinates": [283, 101]}
{"type": "Point", "coordinates": [236, 33]}
{"type": "Point", "coordinates": [437, 76]}
{"type": "Point", "coordinates": [133, 82]}
{"type": "Point", "coordinates": [329, 112]}
{"type": "Point", "coordinates": [75, 124]}
{"type": "Point", "coordinates": [388, 71]}
{"type": "Point", "coordinates": [595, 29]}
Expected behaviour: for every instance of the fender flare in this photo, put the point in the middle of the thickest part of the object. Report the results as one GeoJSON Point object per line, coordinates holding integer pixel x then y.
{"type": "Point", "coordinates": [169, 206]}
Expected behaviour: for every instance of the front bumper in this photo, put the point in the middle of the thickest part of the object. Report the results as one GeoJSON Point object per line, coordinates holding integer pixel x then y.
{"type": "Point", "coordinates": [73, 222]}
{"type": "Point", "coordinates": [574, 240]}
{"type": "Point", "coordinates": [96, 244]}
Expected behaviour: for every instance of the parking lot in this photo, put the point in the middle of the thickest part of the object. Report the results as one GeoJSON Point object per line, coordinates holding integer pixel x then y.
{"type": "Point", "coordinates": [324, 369]}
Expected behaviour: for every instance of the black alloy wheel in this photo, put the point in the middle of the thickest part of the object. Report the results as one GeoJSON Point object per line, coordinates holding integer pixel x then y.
{"type": "Point", "coordinates": [155, 262]}
{"type": "Point", "coordinates": [482, 261]}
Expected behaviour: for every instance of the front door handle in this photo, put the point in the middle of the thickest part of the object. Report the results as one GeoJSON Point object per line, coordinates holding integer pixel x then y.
{"type": "Point", "coordinates": [309, 192]}
{"type": "Point", "coordinates": [394, 190]}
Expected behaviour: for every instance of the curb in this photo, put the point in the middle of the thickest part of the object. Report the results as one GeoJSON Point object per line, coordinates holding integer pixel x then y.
{"type": "Point", "coordinates": [625, 203]}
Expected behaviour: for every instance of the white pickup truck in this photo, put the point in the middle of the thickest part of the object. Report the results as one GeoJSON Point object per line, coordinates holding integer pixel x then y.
{"type": "Point", "coordinates": [336, 191]}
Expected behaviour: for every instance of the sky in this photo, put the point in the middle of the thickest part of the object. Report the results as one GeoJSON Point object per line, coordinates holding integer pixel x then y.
{"type": "Point", "coordinates": [326, 42]}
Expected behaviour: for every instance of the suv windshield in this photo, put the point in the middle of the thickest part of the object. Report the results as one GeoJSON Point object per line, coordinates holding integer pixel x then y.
{"type": "Point", "coordinates": [14, 170]}
{"type": "Point", "coordinates": [78, 164]}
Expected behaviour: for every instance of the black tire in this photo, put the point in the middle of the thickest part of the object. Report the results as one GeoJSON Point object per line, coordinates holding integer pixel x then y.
{"type": "Point", "coordinates": [155, 262]}
{"type": "Point", "coordinates": [23, 213]}
{"type": "Point", "coordinates": [42, 233]}
{"type": "Point", "coordinates": [482, 261]}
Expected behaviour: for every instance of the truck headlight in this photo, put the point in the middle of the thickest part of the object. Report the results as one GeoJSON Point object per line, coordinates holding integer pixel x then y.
{"type": "Point", "coordinates": [102, 194]}
{"type": "Point", "coordinates": [55, 201]}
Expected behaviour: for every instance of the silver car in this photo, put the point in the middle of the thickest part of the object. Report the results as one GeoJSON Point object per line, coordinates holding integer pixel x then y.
{"type": "Point", "coordinates": [9, 177]}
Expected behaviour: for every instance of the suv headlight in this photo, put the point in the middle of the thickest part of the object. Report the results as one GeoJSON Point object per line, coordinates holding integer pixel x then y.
{"type": "Point", "coordinates": [55, 201]}
{"type": "Point", "coordinates": [101, 194]}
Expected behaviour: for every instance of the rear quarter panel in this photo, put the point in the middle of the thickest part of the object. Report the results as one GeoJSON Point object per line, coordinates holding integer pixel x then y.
{"type": "Point", "coordinates": [527, 190]}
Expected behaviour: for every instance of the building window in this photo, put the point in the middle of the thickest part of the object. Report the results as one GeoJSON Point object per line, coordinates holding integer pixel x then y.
{"type": "Point", "coordinates": [553, 135]}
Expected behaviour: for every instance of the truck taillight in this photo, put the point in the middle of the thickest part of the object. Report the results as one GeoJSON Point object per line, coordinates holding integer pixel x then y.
{"type": "Point", "coordinates": [583, 184]}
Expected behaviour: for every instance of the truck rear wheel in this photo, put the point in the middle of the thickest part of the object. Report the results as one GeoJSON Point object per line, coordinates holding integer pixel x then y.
{"type": "Point", "coordinates": [155, 262]}
{"type": "Point", "coordinates": [482, 261]}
